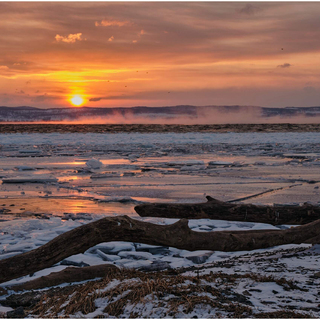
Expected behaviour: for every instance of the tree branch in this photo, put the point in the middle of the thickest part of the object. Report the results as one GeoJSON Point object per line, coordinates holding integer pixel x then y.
{"type": "Point", "coordinates": [177, 235]}
{"type": "Point", "coordinates": [219, 210]}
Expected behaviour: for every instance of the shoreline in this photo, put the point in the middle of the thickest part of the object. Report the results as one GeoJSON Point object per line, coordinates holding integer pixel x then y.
{"type": "Point", "coordinates": [155, 128]}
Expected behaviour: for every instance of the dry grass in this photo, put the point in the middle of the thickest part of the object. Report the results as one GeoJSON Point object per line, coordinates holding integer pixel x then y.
{"type": "Point", "coordinates": [171, 291]}
{"type": "Point", "coordinates": [136, 287]}
{"type": "Point", "coordinates": [286, 284]}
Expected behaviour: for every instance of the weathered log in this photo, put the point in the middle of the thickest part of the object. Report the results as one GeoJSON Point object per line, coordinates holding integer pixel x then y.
{"type": "Point", "coordinates": [219, 210]}
{"type": "Point", "coordinates": [177, 235]}
{"type": "Point", "coordinates": [67, 275]}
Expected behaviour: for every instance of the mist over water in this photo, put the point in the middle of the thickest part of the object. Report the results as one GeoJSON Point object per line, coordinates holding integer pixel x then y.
{"type": "Point", "coordinates": [203, 117]}
{"type": "Point", "coordinates": [185, 120]}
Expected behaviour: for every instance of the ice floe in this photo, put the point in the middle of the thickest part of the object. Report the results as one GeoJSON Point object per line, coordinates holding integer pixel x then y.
{"type": "Point", "coordinates": [94, 164]}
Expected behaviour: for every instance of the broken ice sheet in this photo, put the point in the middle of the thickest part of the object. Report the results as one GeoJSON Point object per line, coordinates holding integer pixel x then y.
{"type": "Point", "coordinates": [167, 168]}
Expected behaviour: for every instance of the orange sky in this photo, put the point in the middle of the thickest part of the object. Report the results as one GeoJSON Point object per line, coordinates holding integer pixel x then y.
{"type": "Point", "coordinates": [156, 54]}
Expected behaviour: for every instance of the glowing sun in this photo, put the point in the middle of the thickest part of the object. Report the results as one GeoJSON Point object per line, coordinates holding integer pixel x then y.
{"type": "Point", "coordinates": [77, 101]}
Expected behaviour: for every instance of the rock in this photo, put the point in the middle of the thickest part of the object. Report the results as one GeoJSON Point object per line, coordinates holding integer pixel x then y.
{"type": "Point", "coordinates": [94, 164]}
{"type": "Point", "coordinates": [16, 314]}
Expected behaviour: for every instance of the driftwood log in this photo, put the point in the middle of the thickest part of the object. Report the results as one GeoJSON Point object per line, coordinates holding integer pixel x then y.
{"type": "Point", "coordinates": [67, 275]}
{"type": "Point", "coordinates": [177, 235]}
{"type": "Point", "coordinates": [219, 210]}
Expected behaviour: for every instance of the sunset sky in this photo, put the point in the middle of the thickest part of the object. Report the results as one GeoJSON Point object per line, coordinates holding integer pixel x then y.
{"type": "Point", "coordinates": [108, 54]}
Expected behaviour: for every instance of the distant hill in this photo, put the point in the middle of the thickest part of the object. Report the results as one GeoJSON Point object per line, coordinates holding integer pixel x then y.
{"type": "Point", "coordinates": [179, 114]}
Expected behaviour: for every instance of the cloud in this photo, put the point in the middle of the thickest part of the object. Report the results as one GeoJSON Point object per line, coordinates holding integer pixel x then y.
{"type": "Point", "coordinates": [111, 23]}
{"type": "Point", "coordinates": [285, 65]}
{"type": "Point", "coordinates": [250, 9]}
{"type": "Point", "coordinates": [71, 38]}
{"type": "Point", "coordinates": [95, 99]}
{"type": "Point", "coordinates": [111, 38]}
{"type": "Point", "coordinates": [185, 45]}
{"type": "Point", "coordinates": [4, 67]}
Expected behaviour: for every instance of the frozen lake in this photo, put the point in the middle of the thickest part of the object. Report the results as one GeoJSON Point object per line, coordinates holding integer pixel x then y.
{"type": "Point", "coordinates": [54, 182]}
{"type": "Point", "coordinates": [160, 138]}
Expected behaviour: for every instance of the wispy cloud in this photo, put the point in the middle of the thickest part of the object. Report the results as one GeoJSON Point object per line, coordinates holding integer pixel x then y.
{"type": "Point", "coordinates": [111, 23]}
{"type": "Point", "coordinates": [176, 47]}
{"type": "Point", "coordinates": [285, 65]}
{"type": "Point", "coordinates": [71, 38]}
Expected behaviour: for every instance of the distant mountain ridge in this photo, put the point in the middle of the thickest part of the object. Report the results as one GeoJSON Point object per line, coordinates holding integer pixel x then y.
{"type": "Point", "coordinates": [32, 114]}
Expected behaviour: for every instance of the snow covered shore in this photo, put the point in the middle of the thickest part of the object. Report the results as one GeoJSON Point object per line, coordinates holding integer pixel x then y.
{"type": "Point", "coordinates": [49, 187]}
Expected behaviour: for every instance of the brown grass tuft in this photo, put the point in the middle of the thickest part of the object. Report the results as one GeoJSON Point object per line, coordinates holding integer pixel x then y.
{"type": "Point", "coordinates": [212, 290]}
